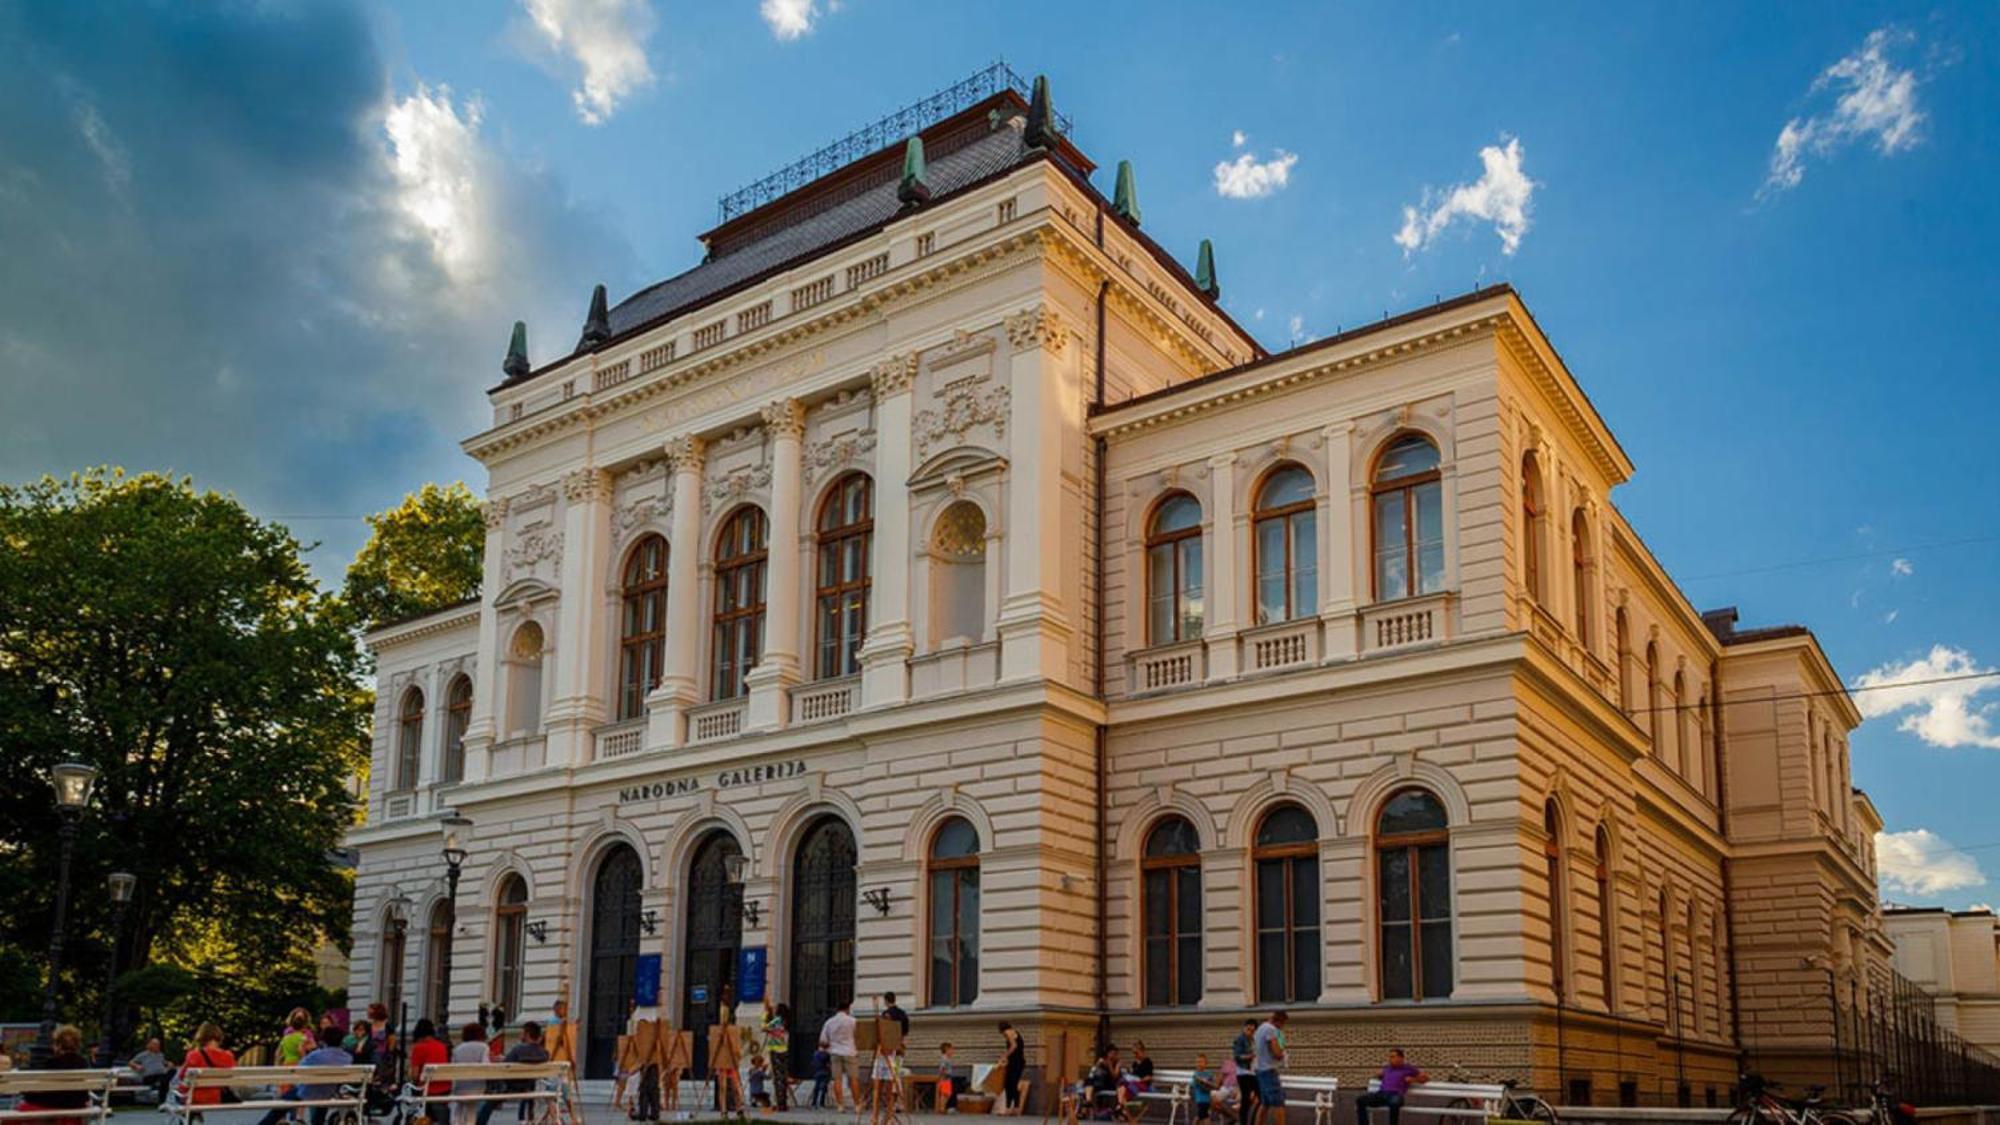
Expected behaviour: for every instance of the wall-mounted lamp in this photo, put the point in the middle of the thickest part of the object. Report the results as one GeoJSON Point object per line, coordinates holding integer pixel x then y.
{"type": "Point", "coordinates": [753, 914]}
{"type": "Point", "coordinates": [735, 868]}
{"type": "Point", "coordinates": [539, 931]}
{"type": "Point", "coordinates": [649, 921]}
{"type": "Point", "coordinates": [877, 897]}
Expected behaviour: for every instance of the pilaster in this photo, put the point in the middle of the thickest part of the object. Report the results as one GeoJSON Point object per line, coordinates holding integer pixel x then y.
{"type": "Point", "coordinates": [885, 651]}
{"type": "Point", "coordinates": [486, 683]}
{"type": "Point", "coordinates": [1221, 590]}
{"type": "Point", "coordinates": [1344, 536]}
{"type": "Point", "coordinates": [578, 700]}
{"type": "Point", "coordinates": [1033, 625]}
{"type": "Point", "coordinates": [668, 704]}
{"type": "Point", "coordinates": [777, 670]}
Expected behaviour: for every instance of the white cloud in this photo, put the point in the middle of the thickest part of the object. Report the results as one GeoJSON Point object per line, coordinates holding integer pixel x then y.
{"type": "Point", "coordinates": [1889, 618]}
{"type": "Point", "coordinates": [789, 19]}
{"type": "Point", "coordinates": [1944, 713]}
{"type": "Point", "coordinates": [436, 161]}
{"type": "Point", "coordinates": [1296, 326]}
{"type": "Point", "coordinates": [1238, 139]}
{"type": "Point", "coordinates": [1248, 178]}
{"type": "Point", "coordinates": [1875, 100]}
{"type": "Point", "coordinates": [104, 144]}
{"type": "Point", "coordinates": [607, 38]}
{"type": "Point", "coordinates": [1258, 315]}
{"type": "Point", "coordinates": [1501, 196]}
{"type": "Point", "coordinates": [1920, 862]}
{"type": "Point", "coordinates": [1902, 568]}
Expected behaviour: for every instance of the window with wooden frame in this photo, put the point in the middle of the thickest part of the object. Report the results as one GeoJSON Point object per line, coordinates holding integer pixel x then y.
{"type": "Point", "coordinates": [1287, 888]}
{"type": "Point", "coordinates": [846, 531]}
{"type": "Point", "coordinates": [510, 927]}
{"type": "Point", "coordinates": [1552, 859]}
{"type": "Point", "coordinates": [1667, 997]}
{"type": "Point", "coordinates": [436, 950]}
{"type": "Point", "coordinates": [740, 563]}
{"type": "Point", "coordinates": [1531, 527]}
{"type": "Point", "coordinates": [1170, 874]}
{"type": "Point", "coordinates": [1285, 539]}
{"type": "Point", "coordinates": [1694, 969]}
{"type": "Point", "coordinates": [1413, 891]}
{"type": "Point", "coordinates": [409, 740]}
{"type": "Point", "coordinates": [1653, 709]}
{"type": "Point", "coordinates": [1174, 571]}
{"type": "Point", "coordinates": [1678, 725]}
{"type": "Point", "coordinates": [457, 719]}
{"type": "Point", "coordinates": [953, 872]}
{"type": "Point", "coordinates": [1607, 921]}
{"type": "Point", "coordinates": [642, 624]}
{"type": "Point", "coordinates": [1621, 643]}
{"type": "Point", "coordinates": [1406, 523]}
{"type": "Point", "coordinates": [1579, 567]}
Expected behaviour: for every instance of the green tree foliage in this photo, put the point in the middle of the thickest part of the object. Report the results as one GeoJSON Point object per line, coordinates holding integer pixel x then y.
{"type": "Point", "coordinates": [181, 646]}
{"type": "Point", "coordinates": [423, 554]}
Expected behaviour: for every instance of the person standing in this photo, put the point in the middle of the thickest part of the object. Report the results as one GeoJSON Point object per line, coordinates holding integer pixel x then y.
{"type": "Point", "coordinates": [1013, 1067]}
{"type": "Point", "coordinates": [1244, 1051]}
{"type": "Point", "coordinates": [1269, 1059]}
{"type": "Point", "coordinates": [777, 1043]}
{"type": "Point", "coordinates": [1395, 1082]}
{"type": "Point", "coordinates": [837, 1036]}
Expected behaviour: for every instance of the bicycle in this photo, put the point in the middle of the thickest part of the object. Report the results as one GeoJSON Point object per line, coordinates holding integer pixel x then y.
{"type": "Point", "coordinates": [1756, 1105]}
{"type": "Point", "coordinates": [1514, 1105]}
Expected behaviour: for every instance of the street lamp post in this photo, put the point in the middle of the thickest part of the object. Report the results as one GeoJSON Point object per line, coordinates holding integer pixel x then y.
{"type": "Point", "coordinates": [454, 863]}
{"type": "Point", "coordinates": [121, 884]}
{"type": "Point", "coordinates": [73, 781]}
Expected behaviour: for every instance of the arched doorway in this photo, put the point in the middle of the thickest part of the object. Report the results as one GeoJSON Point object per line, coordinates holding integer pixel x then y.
{"type": "Point", "coordinates": [823, 892]}
{"type": "Point", "coordinates": [614, 957]}
{"type": "Point", "coordinates": [714, 936]}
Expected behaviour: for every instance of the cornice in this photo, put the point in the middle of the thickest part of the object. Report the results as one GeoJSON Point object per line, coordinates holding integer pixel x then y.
{"type": "Point", "coordinates": [441, 621]}
{"type": "Point", "coordinates": [1083, 260]}
{"type": "Point", "coordinates": [1520, 338]}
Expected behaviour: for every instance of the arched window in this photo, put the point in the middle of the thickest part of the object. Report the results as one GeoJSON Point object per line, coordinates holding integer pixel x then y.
{"type": "Point", "coordinates": [1719, 965]}
{"type": "Point", "coordinates": [389, 971]}
{"type": "Point", "coordinates": [1694, 971]}
{"type": "Point", "coordinates": [1653, 709]}
{"type": "Point", "coordinates": [1171, 871]}
{"type": "Point", "coordinates": [1552, 859]}
{"type": "Point", "coordinates": [1288, 894]}
{"type": "Point", "coordinates": [1287, 544]}
{"type": "Point", "coordinates": [739, 602]}
{"type": "Point", "coordinates": [1607, 922]}
{"type": "Point", "coordinates": [457, 717]}
{"type": "Point", "coordinates": [1706, 765]}
{"type": "Point", "coordinates": [823, 899]}
{"type": "Point", "coordinates": [642, 624]}
{"type": "Point", "coordinates": [409, 740]}
{"type": "Point", "coordinates": [846, 530]}
{"type": "Point", "coordinates": [1413, 880]}
{"type": "Point", "coordinates": [958, 575]}
{"type": "Point", "coordinates": [1407, 521]}
{"type": "Point", "coordinates": [1531, 527]}
{"type": "Point", "coordinates": [1667, 994]}
{"type": "Point", "coordinates": [1622, 653]}
{"type": "Point", "coordinates": [524, 680]}
{"type": "Point", "coordinates": [1679, 725]}
{"type": "Point", "coordinates": [437, 1000]}
{"type": "Point", "coordinates": [954, 909]}
{"type": "Point", "coordinates": [510, 946]}
{"type": "Point", "coordinates": [1579, 542]}
{"type": "Point", "coordinates": [1173, 571]}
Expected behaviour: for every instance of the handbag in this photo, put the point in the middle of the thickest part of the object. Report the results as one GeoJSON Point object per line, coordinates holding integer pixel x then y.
{"type": "Point", "coordinates": [228, 1094]}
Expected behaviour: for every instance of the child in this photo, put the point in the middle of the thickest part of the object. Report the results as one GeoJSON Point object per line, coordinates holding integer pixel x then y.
{"type": "Point", "coordinates": [947, 1093]}
{"type": "Point", "coordinates": [1202, 1088]}
{"type": "Point", "coordinates": [760, 1082]}
{"type": "Point", "coordinates": [822, 1075]}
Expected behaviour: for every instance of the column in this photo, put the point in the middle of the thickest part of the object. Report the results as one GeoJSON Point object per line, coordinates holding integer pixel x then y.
{"type": "Point", "coordinates": [667, 706]}
{"type": "Point", "coordinates": [577, 702]}
{"type": "Point", "coordinates": [777, 669]}
{"type": "Point", "coordinates": [430, 744]}
{"type": "Point", "coordinates": [1343, 538]}
{"type": "Point", "coordinates": [1033, 628]}
{"type": "Point", "coordinates": [486, 670]}
{"type": "Point", "coordinates": [885, 651]}
{"type": "Point", "coordinates": [1222, 589]}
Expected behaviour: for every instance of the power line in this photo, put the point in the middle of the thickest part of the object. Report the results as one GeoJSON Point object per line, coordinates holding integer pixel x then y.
{"type": "Point", "coordinates": [1855, 556]}
{"type": "Point", "coordinates": [1845, 691]}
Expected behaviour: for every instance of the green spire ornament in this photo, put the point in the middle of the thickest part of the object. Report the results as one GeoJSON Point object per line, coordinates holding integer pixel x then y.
{"type": "Point", "coordinates": [515, 366]}
{"type": "Point", "coordinates": [1125, 198]}
{"type": "Point", "coordinates": [913, 191]}
{"type": "Point", "coordinates": [1204, 271]}
{"type": "Point", "coordinates": [596, 326]}
{"type": "Point", "coordinates": [1041, 131]}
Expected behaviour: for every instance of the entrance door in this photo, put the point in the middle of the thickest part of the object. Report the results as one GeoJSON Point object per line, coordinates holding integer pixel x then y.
{"type": "Point", "coordinates": [822, 933]}
{"type": "Point", "coordinates": [714, 935]}
{"type": "Point", "coordinates": [614, 958]}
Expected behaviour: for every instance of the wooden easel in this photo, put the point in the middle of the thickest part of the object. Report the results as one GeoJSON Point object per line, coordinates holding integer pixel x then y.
{"type": "Point", "coordinates": [889, 1047]}
{"type": "Point", "coordinates": [725, 1057]}
{"type": "Point", "coordinates": [676, 1055]}
{"type": "Point", "coordinates": [560, 1041]}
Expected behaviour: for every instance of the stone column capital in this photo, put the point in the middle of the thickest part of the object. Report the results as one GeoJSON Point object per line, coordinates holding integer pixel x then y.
{"type": "Point", "coordinates": [785, 418]}
{"type": "Point", "coordinates": [494, 512]}
{"type": "Point", "coordinates": [585, 485]}
{"type": "Point", "coordinates": [893, 375]}
{"type": "Point", "coordinates": [1038, 326]}
{"type": "Point", "coordinates": [685, 453]}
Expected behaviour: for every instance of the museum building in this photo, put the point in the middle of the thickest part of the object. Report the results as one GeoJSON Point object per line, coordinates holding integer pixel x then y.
{"type": "Point", "coordinates": [936, 591]}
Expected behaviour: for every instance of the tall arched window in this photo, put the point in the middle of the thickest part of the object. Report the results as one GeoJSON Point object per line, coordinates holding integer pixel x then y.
{"type": "Point", "coordinates": [1407, 519]}
{"type": "Point", "coordinates": [389, 971]}
{"type": "Point", "coordinates": [1667, 987]}
{"type": "Point", "coordinates": [958, 574]}
{"type": "Point", "coordinates": [1678, 725]}
{"type": "Point", "coordinates": [1607, 922]}
{"type": "Point", "coordinates": [1286, 856]}
{"type": "Point", "coordinates": [510, 944]}
{"type": "Point", "coordinates": [1694, 971]}
{"type": "Point", "coordinates": [457, 717]}
{"type": "Point", "coordinates": [642, 624]}
{"type": "Point", "coordinates": [1286, 539]}
{"type": "Point", "coordinates": [409, 740]}
{"type": "Point", "coordinates": [823, 899]}
{"type": "Point", "coordinates": [1171, 872]}
{"type": "Point", "coordinates": [1706, 765]}
{"type": "Point", "coordinates": [1719, 965]}
{"type": "Point", "coordinates": [1621, 641]}
{"type": "Point", "coordinates": [437, 1000]}
{"type": "Point", "coordinates": [954, 910]}
{"type": "Point", "coordinates": [1552, 859]}
{"type": "Point", "coordinates": [1653, 709]}
{"type": "Point", "coordinates": [1173, 571]}
{"type": "Point", "coordinates": [846, 530]}
{"type": "Point", "coordinates": [1413, 881]}
{"type": "Point", "coordinates": [739, 602]}
{"type": "Point", "coordinates": [1580, 561]}
{"type": "Point", "coordinates": [1531, 527]}
{"type": "Point", "coordinates": [524, 680]}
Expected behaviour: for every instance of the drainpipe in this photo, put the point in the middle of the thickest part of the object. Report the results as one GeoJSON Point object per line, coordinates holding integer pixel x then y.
{"type": "Point", "coordinates": [1722, 828]}
{"type": "Point", "coordinates": [1097, 676]}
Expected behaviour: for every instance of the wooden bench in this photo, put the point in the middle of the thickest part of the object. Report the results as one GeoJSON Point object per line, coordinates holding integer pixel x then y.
{"type": "Point", "coordinates": [349, 1086]}
{"type": "Point", "coordinates": [93, 1084]}
{"type": "Point", "coordinates": [551, 1085]}
{"type": "Point", "coordinates": [1450, 1099]}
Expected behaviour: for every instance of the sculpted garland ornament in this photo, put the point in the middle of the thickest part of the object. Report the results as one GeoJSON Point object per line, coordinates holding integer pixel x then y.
{"type": "Point", "coordinates": [837, 453]}
{"type": "Point", "coordinates": [963, 409]}
{"type": "Point", "coordinates": [537, 545]}
{"type": "Point", "coordinates": [1038, 326]}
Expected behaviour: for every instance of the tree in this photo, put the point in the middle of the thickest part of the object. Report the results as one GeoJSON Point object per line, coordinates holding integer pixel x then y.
{"type": "Point", "coordinates": [182, 647]}
{"type": "Point", "coordinates": [423, 554]}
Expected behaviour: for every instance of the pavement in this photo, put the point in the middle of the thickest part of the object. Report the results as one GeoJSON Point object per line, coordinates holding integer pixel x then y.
{"type": "Point", "coordinates": [598, 1112]}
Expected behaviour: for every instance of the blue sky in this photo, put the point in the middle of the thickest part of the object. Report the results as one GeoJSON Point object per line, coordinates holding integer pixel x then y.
{"type": "Point", "coordinates": [279, 247]}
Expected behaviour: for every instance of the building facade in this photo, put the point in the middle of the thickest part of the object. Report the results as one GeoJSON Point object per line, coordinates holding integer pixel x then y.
{"type": "Point", "coordinates": [936, 590]}
{"type": "Point", "coordinates": [1954, 956]}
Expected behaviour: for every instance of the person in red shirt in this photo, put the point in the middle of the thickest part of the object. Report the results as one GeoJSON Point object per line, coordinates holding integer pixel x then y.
{"type": "Point", "coordinates": [425, 1049]}
{"type": "Point", "coordinates": [208, 1053]}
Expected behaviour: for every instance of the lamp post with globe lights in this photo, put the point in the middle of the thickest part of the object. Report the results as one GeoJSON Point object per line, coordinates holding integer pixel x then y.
{"type": "Point", "coordinates": [121, 884]}
{"type": "Point", "coordinates": [73, 783]}
{"type": "Point", "coordinates": [454, 863]}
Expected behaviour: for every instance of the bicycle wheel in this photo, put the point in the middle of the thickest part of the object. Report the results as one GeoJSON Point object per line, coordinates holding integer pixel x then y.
{"type": "Point", "coordinates": [1532, 1108]}
{"type": "Point", "coordinates": [1748, 1115]}
{"type": "Point", "coordinates": [1838, 1117]}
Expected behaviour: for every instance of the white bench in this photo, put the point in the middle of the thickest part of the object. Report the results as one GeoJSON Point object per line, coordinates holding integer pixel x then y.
{"type": "Point", "coordinates": [349, 1088]}
{"type": "Point", "coordinates": [1325, 1093]}
{"type": "Point", "coordinates": [93, 1084]}
{"type": "Point", "coordinates": [551, 1084]}
{"type": "Point", "coordinates": [1174, 1087]}
{"type": "Point", "coordinates": [1450, 1099]}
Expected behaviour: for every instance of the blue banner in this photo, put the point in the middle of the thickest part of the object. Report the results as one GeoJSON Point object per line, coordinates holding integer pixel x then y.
{"type": "Point", "coordinates": [750, 973]}
{"type": "Point", "coordinates": [646, 981]}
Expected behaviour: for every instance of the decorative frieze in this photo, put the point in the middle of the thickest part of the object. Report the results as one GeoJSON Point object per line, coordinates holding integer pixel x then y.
{"type": "Point", "coordinates": [494, 512]}
{"type": "Point", "coordinates": [537, 545]}
{"type": "Point", "coordinates": [730, 488]}
{"type": "Point", "coordinates": [837, 453]}
{"type": "Point", "coordinates": [1039, 326]}
{"type": "Point", "coordinates": [893, 375]}
{"type": "Point", "coordinates": [585, 485]}
{"type": "Point", "coordinates": [640, 512]}
{"type": "Point", "coordinates": [964, 408]}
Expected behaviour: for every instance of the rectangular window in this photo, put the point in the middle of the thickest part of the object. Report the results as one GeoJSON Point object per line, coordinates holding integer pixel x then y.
{"type": "Point", "coordinates": [926, 243]}
{"type": "Point", "coordinates": [1008, 208]}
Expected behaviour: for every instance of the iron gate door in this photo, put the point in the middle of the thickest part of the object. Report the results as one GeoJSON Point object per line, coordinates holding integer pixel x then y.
{"type": "Point", "coordinates": [823, 891]}
{"type": "Point", "coordinates": [714, 935]}
{"type": "Point", "coordinates": [614, 958]}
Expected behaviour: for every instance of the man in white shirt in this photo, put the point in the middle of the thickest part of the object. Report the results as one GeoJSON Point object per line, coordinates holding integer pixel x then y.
{"type": "Point", "coordinates": [837, 1037]}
